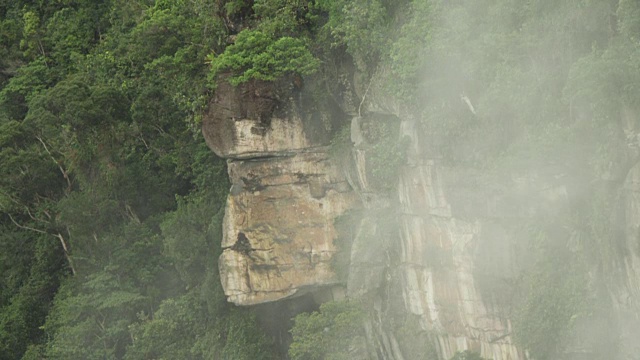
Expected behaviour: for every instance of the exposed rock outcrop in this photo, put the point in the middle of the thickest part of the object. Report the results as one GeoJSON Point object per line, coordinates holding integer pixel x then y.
{"type": "Point", "coordinates": [262, 119]}
{"type": "Point", "coordinates": [441, 254]}
{"type": "Point", "coordinates": [278, 229]}
{"type": "Point", "coordinates": [286, 193]}
{"type": "Point", "coordinates": [435, 256]}
{"type": "Point", "coordinates": [438, 245]}
{"type": "Point", "coordinates": [280, 239]}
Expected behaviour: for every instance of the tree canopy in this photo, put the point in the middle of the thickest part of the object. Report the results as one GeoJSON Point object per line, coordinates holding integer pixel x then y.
{"type": "Point", "coordinates": [110, 201]}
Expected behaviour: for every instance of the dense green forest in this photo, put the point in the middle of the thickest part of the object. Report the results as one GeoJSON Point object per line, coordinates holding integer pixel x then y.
{"type": "Point", "coordinates": [111, 203]}
{"type": "Point", "coordinates": [110, 200]}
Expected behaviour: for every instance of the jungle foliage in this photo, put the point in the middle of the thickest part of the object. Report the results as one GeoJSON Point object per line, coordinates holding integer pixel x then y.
{"type": "Point", "coordinates": [110, 201]}
{"type": "Point", "coordinates": [329, 333]}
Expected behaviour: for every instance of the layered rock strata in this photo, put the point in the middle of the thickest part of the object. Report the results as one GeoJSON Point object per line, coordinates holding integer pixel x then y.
{"type": "Point", "coordinates": [439, 247]}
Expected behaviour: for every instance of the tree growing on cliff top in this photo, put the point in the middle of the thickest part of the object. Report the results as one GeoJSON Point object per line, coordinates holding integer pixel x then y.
{"type": "Point", "coordinates": [257, 55]}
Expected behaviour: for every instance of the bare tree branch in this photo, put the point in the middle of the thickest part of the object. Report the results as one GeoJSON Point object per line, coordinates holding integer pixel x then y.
{"type": "Point", "coordinates": [364, 97]}
{"type": "Point", "coordinates": [65, 174]}
{"type": "Point", "coordinates": [26, 227]}
{"type": "Point", "coordinates": [65, 248]}
{"type": "Point", "coordinates": [66, 253]}
{"type": "Point", "coordinates": [131, 215]}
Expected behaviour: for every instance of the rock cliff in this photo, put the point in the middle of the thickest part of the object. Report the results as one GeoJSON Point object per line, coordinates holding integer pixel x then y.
{"type": "Point", "coordinates": [442, 245]}
{"type": "Point", "coordinates": [285, 195]}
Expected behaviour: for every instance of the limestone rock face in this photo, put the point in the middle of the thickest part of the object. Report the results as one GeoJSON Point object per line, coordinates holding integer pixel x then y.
{"type": "Point", "coordinates": [278, 227]}
{"type": "Point", "coordinates": [441, 255]}
{"type": "Point", "coordinates": [258, 119]}
{"type": "Point", "coordinates": [449, 245]}
{"type": "Point", "coordinates": [286, 193]}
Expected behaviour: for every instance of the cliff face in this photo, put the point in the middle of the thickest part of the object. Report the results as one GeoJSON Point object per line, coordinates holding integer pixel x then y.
{"type": "Point", "coordinates": [286, 194]}
{"type": "Point", "coordinates": [442, 244]}
{"type": "Point", "coordinates": [453, 254]}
